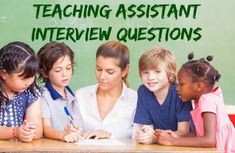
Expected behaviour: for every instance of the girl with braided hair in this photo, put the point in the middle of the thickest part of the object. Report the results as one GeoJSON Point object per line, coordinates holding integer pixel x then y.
{"type": "Point", "coordinates": [20, 102]}
{"type": "Point", "coordinates": [212, 126]}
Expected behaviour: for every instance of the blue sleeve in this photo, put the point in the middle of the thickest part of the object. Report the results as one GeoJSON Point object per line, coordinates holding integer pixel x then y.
{"type": "Point", "coordinates": [31, 98]}
{"type": "Point", "coordinates": [142, 115]}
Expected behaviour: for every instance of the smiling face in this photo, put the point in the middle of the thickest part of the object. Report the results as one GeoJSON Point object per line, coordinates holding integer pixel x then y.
{"type": "Point", "coordinates": [155, 79]}
{"type": "Point", "coordinates": [108, 74]}
{"type": "Point", "coordinates": [61, 73]}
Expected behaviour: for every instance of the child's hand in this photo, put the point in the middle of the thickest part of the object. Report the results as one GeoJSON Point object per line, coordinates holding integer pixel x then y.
{"type": "Point", "coordinates": [172, 133]}
{"type": "Point", "coordinates": [158, 132]}
{"type": "Point", "coordinates": [72, 134]}
{"type": "Point", "coordinates": [145, 135]}
{"type": "Point", "coordinates": [96, 134]}
{"type": "Point", "coordinates": [26, 131]}
{"type": "Point", "coordinates": [165, 137]}
{"type": "Point", "coordinates": [32, 127]}
{"type": "Point", "coordinates": [69, 128]}
{"type": "Point", "coordinates": [71, 137]}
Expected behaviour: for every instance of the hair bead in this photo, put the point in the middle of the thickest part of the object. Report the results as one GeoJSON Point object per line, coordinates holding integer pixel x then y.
{"type": "Point", "coordinates": [190, 56]}
{"type": "Point", "coordinates": [209, 58]}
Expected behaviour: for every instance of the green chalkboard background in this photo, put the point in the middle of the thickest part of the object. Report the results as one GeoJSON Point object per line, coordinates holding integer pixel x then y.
{"type": "Point", "coordinates": [216, 18]}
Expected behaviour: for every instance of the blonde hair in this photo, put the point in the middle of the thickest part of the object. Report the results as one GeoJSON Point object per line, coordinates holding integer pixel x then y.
{"type": "Point", "coordinates": [156, 56]}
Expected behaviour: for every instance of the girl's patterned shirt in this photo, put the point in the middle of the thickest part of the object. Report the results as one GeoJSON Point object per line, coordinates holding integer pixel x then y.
{"type": "Point", "coordinates": [12, 111]}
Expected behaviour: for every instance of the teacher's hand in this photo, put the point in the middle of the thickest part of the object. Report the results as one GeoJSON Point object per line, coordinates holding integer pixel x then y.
{"type": "Point", "coordinates": [96, 134]}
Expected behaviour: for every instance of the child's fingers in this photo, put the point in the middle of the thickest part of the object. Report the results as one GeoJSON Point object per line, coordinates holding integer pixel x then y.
{"type": "Point", "coordinates": [143, 140]}
{"type": "Point", "coordinates": [144, 128]}
{"type": "Point", "coordinates": [73, 129]}
{"type": "Point", "coordinates": [169, 131]}
{"type": "Point", "coordinates": [78, 128]}
{"type": "Point", "coordinates": [157, 133]}
{"type": "Point", "coordinates": [31, 125]}
{"type": "Point", "coordinates": [24, 125]}
{"type": "Point", "coordinates": [27, 132]}
{"type": "Point", "coordinates": [25, 135]}
{"type": "Point", "coordinates": [139, 132]}
{"type": "Point", "coordinates": [69, 128]}
{"type": "Point", "coordinates": [172, 133]}
{"type": "Point", "coordinates": [72, 137]}
{"type": "Point", "coordinates": [27, 138]}
{"type": "Point", "coordinates": [67, 138]}
{"type": "Point", "coordinates": [27, 126]}
{"type": "Point", "coordinates": [158, 130]}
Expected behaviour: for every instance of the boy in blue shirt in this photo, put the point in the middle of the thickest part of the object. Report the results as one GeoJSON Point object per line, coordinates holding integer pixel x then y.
{"type": "Point", "coordinates": [159, 105]}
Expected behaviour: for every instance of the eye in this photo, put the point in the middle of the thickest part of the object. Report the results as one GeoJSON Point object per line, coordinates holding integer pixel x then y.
{"type": "Point", "coordinates": [145, 72]}
{"type": "Point", "coordinates": [57, 70]}
{"type": "Point", "coordinates": [111, 71]}
{"type": "Point", "coordinates": [69, 68]}
{"type": "Point", "coordinates": [158, 71]}
{"type": "Point", "coordinates": [98, 69]}
{"type": "Point", "coordinates": [27, 79]}
{"type": "Point", "coordinates": [181, 84]}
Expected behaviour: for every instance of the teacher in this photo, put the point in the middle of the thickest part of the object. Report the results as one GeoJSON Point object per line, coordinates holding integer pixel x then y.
{"type": "Point", "coordinates": [107, 108]}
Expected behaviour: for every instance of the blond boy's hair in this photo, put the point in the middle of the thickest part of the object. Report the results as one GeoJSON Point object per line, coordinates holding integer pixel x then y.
{"type": "Point", "coordinates": [156, 56]}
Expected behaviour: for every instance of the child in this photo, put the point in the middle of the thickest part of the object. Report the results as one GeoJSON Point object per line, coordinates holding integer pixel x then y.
{"type": "Point", "coordinates": [20, 110]}
{"type": "Point", "coordinates": [213, 127]}
{"type": "Point", "coordinates": [159, 105]}
{"type": "Point", "coordinates": [56, 62]}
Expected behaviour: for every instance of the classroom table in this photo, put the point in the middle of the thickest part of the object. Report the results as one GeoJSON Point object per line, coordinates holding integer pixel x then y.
{"type": "Point", "coordinates": [48, 145]}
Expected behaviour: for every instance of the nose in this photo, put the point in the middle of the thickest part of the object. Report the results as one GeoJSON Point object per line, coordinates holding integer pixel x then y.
{"type": "Point", "coordinates": [65, 72]}
{"type": "Point", "coordinates": [177, 88]}
{"type": "Point", "coordinates": [152, 75]}
{"type": "Point", "coordinates": [103, 75]}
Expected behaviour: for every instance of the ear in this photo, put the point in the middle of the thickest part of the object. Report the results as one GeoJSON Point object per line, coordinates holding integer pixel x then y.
{"type": "Point", "coordinates": [199, 86]}
{"type": "Point", "coordinates": [171, 78]}
{"type": "Point", "coordinates": [3, 74]}
{"type": "Point", "coordinates": [125, 71]}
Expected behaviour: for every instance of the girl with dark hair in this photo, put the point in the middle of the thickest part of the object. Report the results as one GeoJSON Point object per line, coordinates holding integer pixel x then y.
{"type": "Point", "coordinates": [20, 110]}
{"type": "Point", "coordinates": [213, 127]}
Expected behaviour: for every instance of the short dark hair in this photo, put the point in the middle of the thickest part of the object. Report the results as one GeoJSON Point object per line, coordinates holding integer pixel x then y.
{"type": "Point", "coordinates": [49, 54]}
